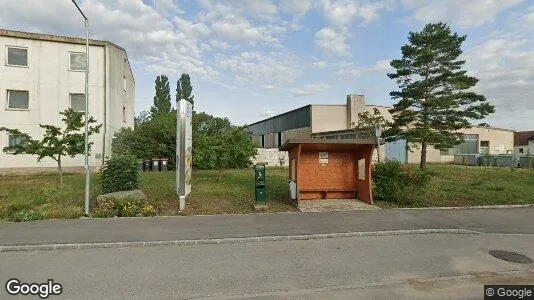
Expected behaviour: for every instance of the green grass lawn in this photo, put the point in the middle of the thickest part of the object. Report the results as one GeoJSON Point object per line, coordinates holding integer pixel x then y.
{"type": "Point", "coordinates": [29, 197]}
{"type": "Point", "coordinates": [452, 185]}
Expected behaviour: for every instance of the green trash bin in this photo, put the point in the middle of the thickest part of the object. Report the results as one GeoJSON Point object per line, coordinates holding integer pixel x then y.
{"type": "Point", "coordinates": [260, 196]}
{"type": "Point", "coordinates": [259, 183]}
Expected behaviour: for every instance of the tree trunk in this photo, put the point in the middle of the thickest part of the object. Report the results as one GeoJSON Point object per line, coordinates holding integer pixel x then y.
{"type": "Point", "coordinates": [60, 170]}
{"type": "Point", "coordinates": [422, 165]}
{"type": "Point", "coordinates": [220, 174]}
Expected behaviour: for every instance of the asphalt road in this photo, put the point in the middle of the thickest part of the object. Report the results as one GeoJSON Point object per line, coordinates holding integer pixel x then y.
{"type": "Point", "coordinates": [511, 220]}
{"type": "Point", "coordinates": [436, 266]}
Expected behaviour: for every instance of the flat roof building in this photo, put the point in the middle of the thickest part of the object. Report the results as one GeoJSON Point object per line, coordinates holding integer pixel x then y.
{"type": "Point", "coordinates": [44, 75]}
{"type": "Point", "coordinates": [335, 121]}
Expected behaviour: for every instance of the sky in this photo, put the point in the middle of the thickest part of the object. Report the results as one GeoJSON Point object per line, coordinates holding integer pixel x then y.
{"type": "Point", "coordinates": [251, 59]}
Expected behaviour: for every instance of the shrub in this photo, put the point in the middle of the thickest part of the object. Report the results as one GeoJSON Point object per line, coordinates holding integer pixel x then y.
{"type": "Point", "coordinates": [148, 211]}
{"type": "Point", "coordinates": [27, 215]}
{"type": "Point", "coordinates": [119, 174]}
{"type": "Point", "coordinates": [128, 207]}
{"type": "Point", "coordinates": [396, 183]}
{"type": "Point", "coordinates": [106, 209]}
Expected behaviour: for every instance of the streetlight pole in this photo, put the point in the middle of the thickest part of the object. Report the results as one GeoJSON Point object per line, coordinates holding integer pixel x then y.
{"type": "Point", "coordinates": [86, 142]}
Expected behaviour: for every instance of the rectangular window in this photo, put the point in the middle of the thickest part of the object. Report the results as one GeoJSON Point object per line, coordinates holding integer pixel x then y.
{"type": "Point", "coordinates": [77, 102]}
{"type": "Point", "coordinates": [521, 150]}
{"type": "Point", "coordinates": [18, 99]}
{"type": "Point", "coordinates": [77, 61]}
{"type": "Point", "coordinates": [484, 147]}
{"type": "Point", "coordinates": [263, 141]}
{"type": "Point", "coordinates": [124, 83]}
{"type": "Point", "coordinates": [17, 56]}
{"type": "Point", "coordinates": [124, 114]}
{"type": "Point", "coordinates": [13, 141]}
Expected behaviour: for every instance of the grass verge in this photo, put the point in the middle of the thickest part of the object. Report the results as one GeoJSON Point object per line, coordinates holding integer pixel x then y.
{"type": "Point", "coordinates": [452, 185]}
{"type": "Point", "coordinates": [35, 197]}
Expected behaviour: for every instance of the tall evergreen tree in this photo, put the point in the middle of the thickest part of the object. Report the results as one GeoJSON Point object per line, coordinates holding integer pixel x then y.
{"type": "Point", "coordinates": [162, 99]}
{"type": "Point", "coordinates": [435, 96]}
{"type": "Point", "coordinates": [184, 89]}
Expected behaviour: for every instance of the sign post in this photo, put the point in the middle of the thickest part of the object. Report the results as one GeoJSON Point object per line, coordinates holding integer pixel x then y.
{"type": "Point", "coordinates": [184, 146]}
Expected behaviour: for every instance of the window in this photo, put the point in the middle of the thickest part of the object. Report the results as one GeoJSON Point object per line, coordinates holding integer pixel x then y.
{"type": "Point", "coordinates": [521, 150]}
{"type": "Point", "coordinates": [17, 56]}
{"type": "Point", "coordinates": [263, 141]}
{"type": "Point", "coordinates": [77, 102]}
{"type": "Point", "coordinates": [278, 139]}
{"type": "Point", "coordinates": [77, 61]}
{"type": "Point", "coordinates": [469, 146]}
{"type": "Point", "coordinates": [18, 100]}
{"type": "Point", "coordinates": [124, 114]}
{"type": "Point", "coordinates": [13, 141]}
{"type": "Point", "coordinates": [484, 147]}
{"type": "Point", "coordinates": [124, 83]}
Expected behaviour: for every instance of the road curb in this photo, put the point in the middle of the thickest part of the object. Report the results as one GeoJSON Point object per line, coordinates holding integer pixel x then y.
{"type": "Point", "coordinates": [466, 207]}
{"type": "Point", "coordinates": [76, 246]}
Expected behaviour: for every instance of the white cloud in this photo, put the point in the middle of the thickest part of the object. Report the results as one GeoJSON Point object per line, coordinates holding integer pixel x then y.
{"type": "Point", "coordinates": [296, 7]}
{"type": "Point", "coordinates": [266, 113]}
{"type": "Point", "coordinates": [343, 12]}
{"type": "Point", "coordinates": [330, 42]}
{"type": "Point", "coordinates": [254, 67]}
{"type": "Point", "coordinates": [350, 70]}
{"type": "Point", "coordinates": [472, 13]}
{"type": "Point", "coordinates": [191, 29]}
{"type": "Point", "coordinates": [311, 89]}
{"type": "Point", "coordinates": [504, 67]}
{"type": "Point", "coordinates": [167, 7]}
{"type": "Point", "coordinates": [320, 64]}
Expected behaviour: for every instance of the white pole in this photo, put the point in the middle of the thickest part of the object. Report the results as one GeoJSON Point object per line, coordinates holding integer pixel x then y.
{"type": "Point", "coordinates": [87, 171]}
{"type": "Point", "coordinates": [86, 140]}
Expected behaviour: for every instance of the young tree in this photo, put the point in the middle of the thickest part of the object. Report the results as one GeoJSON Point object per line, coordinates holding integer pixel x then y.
{"type": "Point", "coordinates": [162, 99]}
{"type": "Point", "coordinates": [435, 96]}
{"type": "Point", "coordinates": [367, 127]}
{"type": "Point", "coordinates": [184, 89]}
{"type": "Point", "coordinates": [56, 142]}
{"type": "Point", "coordinates": [367, 123]}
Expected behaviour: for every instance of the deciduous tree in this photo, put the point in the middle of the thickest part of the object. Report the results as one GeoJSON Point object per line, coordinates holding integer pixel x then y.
{"type": "Point", "coordinates": [56, 142]}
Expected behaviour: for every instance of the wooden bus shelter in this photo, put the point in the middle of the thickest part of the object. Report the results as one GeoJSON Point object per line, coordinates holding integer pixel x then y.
{"type": "Point", "coordinates": [330, 169]}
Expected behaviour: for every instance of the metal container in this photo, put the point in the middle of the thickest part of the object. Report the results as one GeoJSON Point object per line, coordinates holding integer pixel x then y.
{"type": "Point", "coordinates": [163, 164]}
{"type": "Point", "coordinates": [505, 161]}
{"type": "Point", "coordinates": [146, 166]}
{"type": "Point", "coordinates": [155, 164]}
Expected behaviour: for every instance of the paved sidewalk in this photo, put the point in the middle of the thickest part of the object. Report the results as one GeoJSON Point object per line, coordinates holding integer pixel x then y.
{"type": "Point", "coordinates": [512, 220]}
{"type": "Point", "coordinates": [334, 205]}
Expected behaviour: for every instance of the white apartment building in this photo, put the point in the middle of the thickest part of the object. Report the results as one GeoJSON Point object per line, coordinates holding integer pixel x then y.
{"type": "Point", "coordinates": [43, 75]}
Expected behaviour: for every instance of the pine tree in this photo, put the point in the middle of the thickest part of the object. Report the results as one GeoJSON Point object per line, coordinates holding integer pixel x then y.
{"type": "Point", "coordinates": [184, 89]}
{"type": "Point", "coordinates": [162, 99]}
{"type": "Point", "coordinates": [435, 96]}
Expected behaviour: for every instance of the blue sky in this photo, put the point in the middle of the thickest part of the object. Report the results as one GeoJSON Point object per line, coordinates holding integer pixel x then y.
{"type": "Point", "coordinates": [250, 59]}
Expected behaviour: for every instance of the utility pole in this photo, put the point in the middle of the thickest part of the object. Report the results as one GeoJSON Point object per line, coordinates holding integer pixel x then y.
{"type": "Point", "coordinates": [86, 142]}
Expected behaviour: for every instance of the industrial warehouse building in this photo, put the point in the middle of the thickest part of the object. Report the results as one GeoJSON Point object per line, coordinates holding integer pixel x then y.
{"type": "Point", "coordinates": [336, 122]}
{"type": "Point", "coordinates": [524, 142]}
{"type": "Point", "coordinates": [44, 75]}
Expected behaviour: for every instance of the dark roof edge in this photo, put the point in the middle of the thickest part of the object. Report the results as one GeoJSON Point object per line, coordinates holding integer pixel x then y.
{"type": "Point", "coordinates": [55, 38]}
{"type": "Point", "coordinates": [279, 115]}
{"type": "Point", "coordinates": [289, 142]}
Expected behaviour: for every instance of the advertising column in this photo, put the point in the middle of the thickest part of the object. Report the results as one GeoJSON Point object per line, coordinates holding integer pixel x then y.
{"type": "Point", "coordinates": [184, 145]}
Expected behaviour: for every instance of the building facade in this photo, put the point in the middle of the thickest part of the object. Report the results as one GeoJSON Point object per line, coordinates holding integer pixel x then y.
{"type": "Point", "coordinates": [524, 142]}
{"type": "Point", "coordinates": [43, 75]}
{"type": "Point", "coordinates": [338, 121]}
